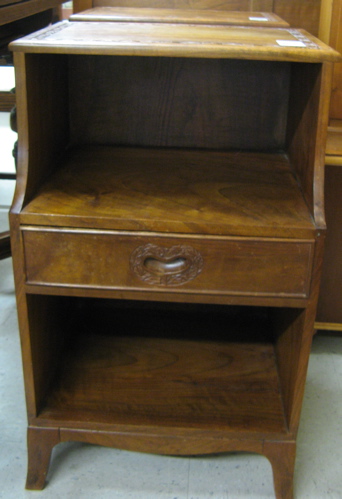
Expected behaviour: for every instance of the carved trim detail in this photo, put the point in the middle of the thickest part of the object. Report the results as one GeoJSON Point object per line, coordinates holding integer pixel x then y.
{"type": "Point", "coordinates": [193, 264]}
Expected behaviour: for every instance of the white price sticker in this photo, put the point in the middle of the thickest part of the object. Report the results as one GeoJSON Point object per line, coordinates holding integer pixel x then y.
{"type": "Point", "coordinates": [261, 19]}
{"type": "Point", "coordinates": [290, 43]}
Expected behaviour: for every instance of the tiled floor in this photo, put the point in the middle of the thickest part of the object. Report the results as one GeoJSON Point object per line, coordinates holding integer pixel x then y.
{"type": "Point", "coordinates": [85, 471]}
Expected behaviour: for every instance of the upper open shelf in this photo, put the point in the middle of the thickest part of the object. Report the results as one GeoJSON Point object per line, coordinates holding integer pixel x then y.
{"type": "Point", "coordinates": [183, 40]}
{"type": "Point", "coordinates": [213, 192]}
{"type": "Point", "coordinates": [173, 124]}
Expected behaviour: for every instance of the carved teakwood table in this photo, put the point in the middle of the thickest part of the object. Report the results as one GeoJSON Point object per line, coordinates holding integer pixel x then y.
{"type": "Point", "coordinates": [167, 233]}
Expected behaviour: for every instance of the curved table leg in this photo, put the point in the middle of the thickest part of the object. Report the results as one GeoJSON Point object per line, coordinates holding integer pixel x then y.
{"type": "Point", "coordinates": [282, 456]}
{"type": "Point", "coordinates": [40, 442]}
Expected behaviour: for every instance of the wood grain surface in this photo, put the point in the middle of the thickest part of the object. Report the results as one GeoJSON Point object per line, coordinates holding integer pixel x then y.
{"type": "Point", "coordinates": [284, 44]}
{"type": "Point", "coordinates": [131, 378]}
{"type": "Point", "coordinates": [173, 190]}
{"type": "Point", "coordinates": [124, 164]}
{"type": "Point", "coordinates": [178, 102]}
{"type": "Point", "coordinates": [228, 266]}
{"type": "Point", "coordinates": [164, 15]}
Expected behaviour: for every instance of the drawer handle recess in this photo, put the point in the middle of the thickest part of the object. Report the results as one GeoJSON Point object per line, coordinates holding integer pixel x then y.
{"type": "Point", "coordinates": [162, 266]}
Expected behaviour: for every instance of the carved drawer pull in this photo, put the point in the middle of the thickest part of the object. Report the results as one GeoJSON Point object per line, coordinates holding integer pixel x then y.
{"type": "Point", "coordinates": [172, 266]}
{"type": "Point", "coordinates": [159, 267]}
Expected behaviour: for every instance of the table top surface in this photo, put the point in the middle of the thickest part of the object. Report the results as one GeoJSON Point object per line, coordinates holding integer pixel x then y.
{"type": "Point", "coordinates": [183, 40]}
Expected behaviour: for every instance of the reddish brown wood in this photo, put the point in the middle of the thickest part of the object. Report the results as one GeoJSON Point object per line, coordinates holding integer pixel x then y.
{"type": "Point", "coordinates": [81, 5]}
{"type": "Point", "coordinates": [6, 2]}
{"type": "Point", "coordinates": [165, 15]}
{"type": "Point", "coordinates": [16, 10]}
{"type": "Point", "coordinates": [172, 40]}
{"type": "Point", "coordinates": [212, 266]}
{"type": "Point", "coordinates": [334, 143]}
{"type": "Point", "coordinates": [40, 443]}
{"type": "Point", "coordinates": [134, 438]}
{"type": "Point", "coordinates": [329, 306]}
{"type": "Point", "coordinates": [307, 129]}
{"type": "Point", "coordinates": [335, 40]}
{"type": "Point", "coordinates": [5, 245]}
{"type": "Point", "coordinates": [7, 101]}
{"type": "Point", "coordinates": [147, 189]}
{"type": "Point", "coordinates": [305, 14]}
{"type": "Point", "coordinates": [282, 457]}
{"type": "Point", "coordinates": [235, 5]}
{"type": "Point", "coordinates": [15, 20]}
{"type": "Point", "coordinates": [165, 382]}
{"type": "Point", "coordinates": [329, 315]}
{"type": "Point", "coordinates": [300, 14]}
{"type": "Point", "coordinates": [47, 123]}
{"type": "Point", "coordinates": [186, 114]}
{"type": "Point", "coordinates": [293, 349]}
{"type": "Point", "coordinates": [148, 152]}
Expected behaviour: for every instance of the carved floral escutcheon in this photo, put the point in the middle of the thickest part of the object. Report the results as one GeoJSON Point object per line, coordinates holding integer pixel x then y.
{"type": "Point", "coordinates": [172, 266]}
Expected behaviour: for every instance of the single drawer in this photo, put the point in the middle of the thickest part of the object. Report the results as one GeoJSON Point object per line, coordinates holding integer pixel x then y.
{"type": "Point", "coordinates": [141, 261]}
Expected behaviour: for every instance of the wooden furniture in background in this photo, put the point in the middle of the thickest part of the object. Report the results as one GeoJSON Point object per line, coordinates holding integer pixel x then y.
{"type": "Point", "coordinates": [15, 11]}
{"type": "Point", "coordinates": [180, 16]}
{"type": "Point", "coordinates": [7, 102]}
{"type": "Point", "coordinates": [166, 276]}
{"type": "Point", "coordinates": [299, 14]}
{"type": "Point", "coordinates": [329, 312]}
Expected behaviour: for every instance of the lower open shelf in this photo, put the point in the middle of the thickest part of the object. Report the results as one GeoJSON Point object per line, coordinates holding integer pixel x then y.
{"type": "Point", "coordinates": [168, 366]}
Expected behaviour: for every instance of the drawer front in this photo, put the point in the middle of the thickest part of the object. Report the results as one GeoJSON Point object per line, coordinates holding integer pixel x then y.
{"type": "Point", "coordinates": [140, 261]}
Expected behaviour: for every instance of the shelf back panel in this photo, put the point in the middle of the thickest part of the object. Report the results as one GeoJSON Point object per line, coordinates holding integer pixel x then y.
{"type": "Point", "coordinates": [177, 102]}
